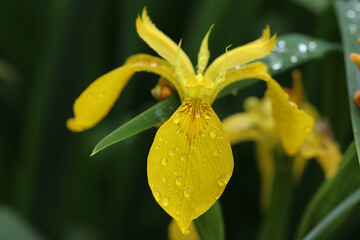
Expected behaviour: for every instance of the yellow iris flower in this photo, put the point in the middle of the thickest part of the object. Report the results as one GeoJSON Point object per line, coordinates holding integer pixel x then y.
{"type": "Point", "coordinates": [190, 161]}
{"type": "Point", "coordinates": [259, 124]}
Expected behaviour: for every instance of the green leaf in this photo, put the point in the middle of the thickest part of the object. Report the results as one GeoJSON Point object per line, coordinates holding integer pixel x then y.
{"type": "Point", "coordinates": [348, 13]}
{"type": "Point", "coordinates": [12, 227]}
{"type": "Point", "coordinates": [329, 195]}
{"type": "Point", "coordinates": [317, 6]}
{"type": "Point", "coordinates": [156, 114]}
{"type": "Point", "coordinates": [210, 225]}
{"type": "Point", "coordinates": [334, 214]}
{"type": "Point", "coordinates": [290, 51]}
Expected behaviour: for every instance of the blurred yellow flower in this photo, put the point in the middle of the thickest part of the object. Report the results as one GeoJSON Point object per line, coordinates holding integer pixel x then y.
{"type": "Point", "coordinates": [259, 124]}
{"type": "Point", "coordinates": [190, 161]}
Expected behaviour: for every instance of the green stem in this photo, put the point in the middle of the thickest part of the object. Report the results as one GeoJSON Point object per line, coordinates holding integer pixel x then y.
{"type": "Point", "coordinates": [276, 219]}
{"type": "Point", "coordinates": [210, 225]}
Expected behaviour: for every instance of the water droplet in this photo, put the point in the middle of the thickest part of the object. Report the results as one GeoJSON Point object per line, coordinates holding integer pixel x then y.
{"type": "Point", "coordinates": [193, 146]}
{"type": "Point", "coordinates": [312, 46]}
{"type": "Point", "coordinates": [164, 178]}
{"type": "Point", "coordinates": [171, 152]}
{"type": "Point", "coordinates": [216, 152]}
{"type": "Point", "coordinates": [293, 104]}
{"type": "Point", "coordinates": [357, 7]}
{"type": "Point", "coordinates": [197, 115]}
{"type": "Point", "coordinates": [237, 66]}
{"type": "Point", "coordinates": [166, 140]}
{"type": "Point", "coordinates": [352, 29]}
{"type": "Point", "coordinates": [351, 14]}
{"type": "Point", "coordinates": [152, 185]}
{"type": "Point", "coordinates": [153, 64]}
{"type": "Point", "coordinates": [276, 66]}
{"type": "Point", "coordinates": [176, 118]}
{"type": "Point", "coordinates": [213, 133]}
{"type": "Point", "coordinates": [281, 43]}
{"type": "Point", "coordinates": [183, 157]}
{"type": "Point", "coordinates": [293, 59]}
{"type": "Point", "coordinates": [157, 147]}
{"type": "Point", "coordinates": [91, 95]}
{"type": "Point", "coordinates": [302, 47]}
{"type": "Point", "coordinates": [178, 181]}
{"type": "Point", "coordinates": [188, 192]}
{"type": "Point", "coordinates": [157, 195]}
{"type": "Point", "coordinates": [207, 116]}
{"type": "Point", "coordinates": [176, 172]}
{"type": "Point", "coordinates": [101, 95]}
{"type": "Point", "coordinates": [161, 138]}
{"type": "Point", "coordinates": [165, 201]}
{"type": "Point", "coordinates": [177, 211]}
{"type": "Point", "coordinates": [223, 180]}
{"type": "Point", "coordinates": [164, 161]}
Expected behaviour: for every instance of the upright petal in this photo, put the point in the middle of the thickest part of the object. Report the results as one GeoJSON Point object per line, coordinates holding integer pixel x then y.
{"type": "Point", "coordinates": [190, 162]}
{"type": "Point", "coordinates": [161, 43]}
{"type": "Point", "coordinates": [96, 101]}
{"type": "Point", "coordinates": [204, 53]}
{"type": "Point", "coordinates": [244, 54]}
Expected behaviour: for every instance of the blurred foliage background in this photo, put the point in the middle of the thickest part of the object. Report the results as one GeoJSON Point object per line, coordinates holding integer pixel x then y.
{"type": "Point", "coordinates": [51, 50]}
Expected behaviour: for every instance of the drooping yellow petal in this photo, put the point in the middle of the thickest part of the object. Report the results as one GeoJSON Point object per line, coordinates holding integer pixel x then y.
{"type": "Point", "coordinates": [293, 124]}
{"type": "Point", "coordinates": [244, 54]}
{"type": "Point", "coordinates": [204, 53]}
{"type": "Point", "coordinates": [321, 147]}
{"type": "Point", "coordinates": [96, 101]}
{"type": "Point", "coordinates": [176, 234]}
{"type": "Point", "coordinates": [253, 70]}
{"type": "Point", "coordinates": [161, 43]}
{"type": "Point", "coordinates": [190, 162]}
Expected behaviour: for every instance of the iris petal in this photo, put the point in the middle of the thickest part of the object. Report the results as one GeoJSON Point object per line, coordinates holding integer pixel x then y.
{"type": "Point", "coordinates": [96, 100]}
{"type": "Point", "coordinates": [244, 54]}
{"type": "Point", "coordinates": [190, 162]}
{"type": "Point", "coordinates": [161, 43]}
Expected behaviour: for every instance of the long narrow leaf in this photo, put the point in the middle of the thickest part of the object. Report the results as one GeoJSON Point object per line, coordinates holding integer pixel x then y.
{"type": "Point", "coordinates": [330, 194]}
{"type": "Point", "coordinates": [290, 51]}
{"type": "Point", "coordinates": [348, 15]}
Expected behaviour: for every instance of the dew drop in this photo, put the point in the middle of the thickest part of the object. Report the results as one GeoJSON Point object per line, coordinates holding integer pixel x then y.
{"type": "Point", "coordinates": [153, 64]}
{"type": "Point", "coordinates": [352, 29]}
{"type": "Point", "coordinates": [164, 178]}
{"type": "Point", "coordinates": [351, 14]}
{"type": "Point", "coordinates": [165, 201]}
{"type": "Point", "coordinates": [101, 95]}
{"type": "Point", "coordinates": [178, 181]}
{"type": "Point", "coordinates": [177, 211]}
{"type": "Point", "coordinates": [213, 133]}
{"type": "Point", "coordinates": [188, 192]}
{"type": "Point", "coordinates": [176, 172]}
{"type": "Point", "coordinates": [157, 147]}
{"type": "Point", "coordinates": [223, 180]}
{"type": "Point", "coordinates": [293, 59]}
{"type": "Point", "coordinates": [312, 46]}
{"type": "Point", "coordinates": [281, 43]}
{"type": "Point", "coordinates": [157, 195]}
{"type": "Point", "coordinates": [302, 47]}
{"type": "Point", "coordinates": [166, 140]}
{"type": "Point", "coordinates": [171, 152]}
{"type": "Point", "coordinates": [197, 115]}
{"type": "Point", "coordinates": [164, 161]}
{"type": "Point", "coordinates": [276, 66]}
{"type": "Point", "coordinates": [161, 138]}
{"type": "Point", "coordinates": [207, 116]}
{"type": "Point", "coordinates": [91, 95]}
{"type": "Point", "coordinates": [176, 119]}
{"type": "Point", "coordinates": [183, 157]}
{"type": "Point", "coordinates": [216, 152]}
{"type": "Point", "coordinates": [193, 146]}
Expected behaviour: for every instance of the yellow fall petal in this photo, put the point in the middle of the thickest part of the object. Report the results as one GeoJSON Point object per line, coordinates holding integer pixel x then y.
{"type": "Point", "coordinates": [244, 54]}
{"type": "Point", "coordinates": [96, 100]}
{"type": "Point", "coordinates": [176, 234]}
{"type": "Point", "coordinates": [293, 124]}
{"type": "Point", "coordinates": [161, 43]}
{"type": "Point", "coordinates": [190, 162]}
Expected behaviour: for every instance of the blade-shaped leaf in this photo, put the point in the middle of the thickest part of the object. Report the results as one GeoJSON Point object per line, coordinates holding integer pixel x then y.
{"type": "Point", "coordinates": [330, 194]}
{"type": "Point", "coordinates": [348, 14]}
{"type": "Point", "coordinates": [156, 114]}
{"type": "Point", "coordinates": [210, 225]}
{"type": "Point", "coordinates": [12, 227]}
{"type": "Point", "coordinates": [290, 51]}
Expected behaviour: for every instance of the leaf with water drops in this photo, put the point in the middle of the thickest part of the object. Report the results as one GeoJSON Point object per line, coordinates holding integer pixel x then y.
{"type": "Point", "coordinates": [290, 51]}
{"type": "Point", "coordinates": [190, 162]}
{"type": "Point", "coordinates": [349, 20]}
